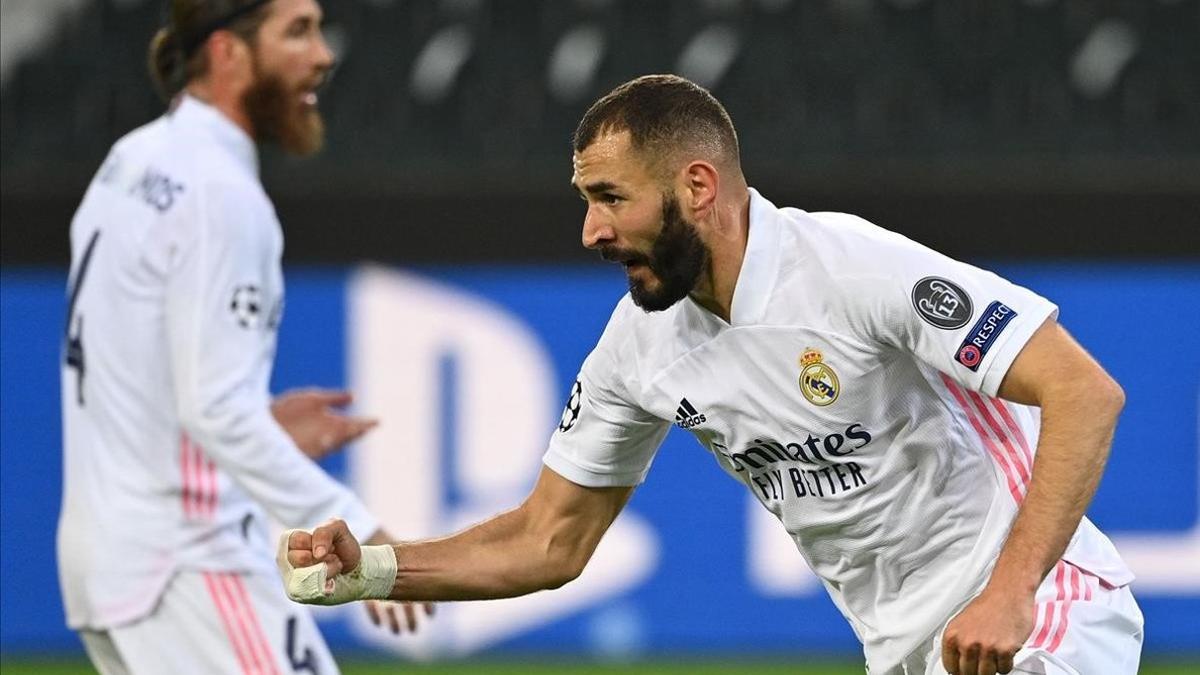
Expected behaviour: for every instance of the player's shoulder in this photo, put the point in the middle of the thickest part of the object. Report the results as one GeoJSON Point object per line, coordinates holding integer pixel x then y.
{"type": "Point", "coordinates": [638, 340]}
{"type": "Point", "coordinates": [631, 323]}
{"type": "Point", "coordinates": [827, 250]}
{"type": "Point", "coordinates": [628, 328]}
{"type": "Point", "coordinates": [840, 232]}
{"type": "Point", "coordinates": [205, 149]}
{"type": "Point", "coordinates": [216, 184]}
{"type": "Point", "coordinates": [137, 175]}
{"type": "Point", "coordinates": [164, 159]}
{"type": "Point", "coordinates": [144, 139]}
{"type": "Point", "coordinates": [216, 173]}
{"type": "Point", "coordinates": [835, 268]}
{"type": "Point", "coordinates": [633, 348]}
{"type": "Point", "coordinates": [614, 344]}
{"type": "Point", "coordinates": [624, 325]}
{"type": "Point", "coordinates": [216, 201]}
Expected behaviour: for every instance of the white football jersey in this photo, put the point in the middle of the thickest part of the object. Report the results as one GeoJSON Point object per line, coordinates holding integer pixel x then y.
{"type": "Point", "coordinates": [853, 392]}
{"type": "Point", "coordinates": [170, 447]}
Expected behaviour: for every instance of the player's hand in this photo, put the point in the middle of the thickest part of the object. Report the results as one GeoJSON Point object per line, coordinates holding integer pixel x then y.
{"type": "Point", "coordinates": [331, 543]}
{"type": "Point", "coordinates": [329, 567]}
{"type": "Point", "coordinates": [311, 418]}
{"type": "Point", "coordinates": [385, 612]}
{"type": "Point", "coordinates": [985, 637]}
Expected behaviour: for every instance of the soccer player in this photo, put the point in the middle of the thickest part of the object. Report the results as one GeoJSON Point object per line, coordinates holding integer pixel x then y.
{"type": "Point", "coordinates": [926, 431]}
{"type": "Point", "coordinates": [173, 447]}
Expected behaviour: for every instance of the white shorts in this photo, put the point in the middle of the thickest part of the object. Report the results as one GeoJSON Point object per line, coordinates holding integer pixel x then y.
{"type": "Point", "coordinates": [215, 622]}
{"type": "Point", "coordinates": [1083, 627]}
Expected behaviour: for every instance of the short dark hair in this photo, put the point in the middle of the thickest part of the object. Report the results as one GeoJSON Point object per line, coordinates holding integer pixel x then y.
{"type": "Point", "coordinates": [664, 115]}
{"type": "Point", "coordinates": [176, 55]}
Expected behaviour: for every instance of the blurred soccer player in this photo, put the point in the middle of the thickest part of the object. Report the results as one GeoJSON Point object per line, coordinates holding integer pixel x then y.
{"type": "Point", "coordinates": [925, 431]}
{"type": "Point", "coordinates": [172, 443]}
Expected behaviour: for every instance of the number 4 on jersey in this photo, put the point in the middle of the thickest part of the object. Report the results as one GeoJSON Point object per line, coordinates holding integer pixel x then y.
{"type": "Point", "coordinates": [73, 333]}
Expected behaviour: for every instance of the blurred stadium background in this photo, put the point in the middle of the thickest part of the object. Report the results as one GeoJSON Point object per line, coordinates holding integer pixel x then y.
{"type": "Point", "coordinates": [434, 266]}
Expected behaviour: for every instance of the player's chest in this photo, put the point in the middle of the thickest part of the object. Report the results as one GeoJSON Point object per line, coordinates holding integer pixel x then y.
{"type": "Point", "coordinates": [763, 397]}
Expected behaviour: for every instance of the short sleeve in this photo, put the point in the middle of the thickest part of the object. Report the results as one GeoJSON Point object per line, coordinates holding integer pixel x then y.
{"type": "Point", "coordinates": [604, 438]}
{"type": "Point", "coordinates": [957, 318]}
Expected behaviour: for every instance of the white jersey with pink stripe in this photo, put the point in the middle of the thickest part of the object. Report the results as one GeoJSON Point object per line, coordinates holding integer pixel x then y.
{"type": "Point", "coordinates": [853, 393]}
{"type": "Point", "coordinates": [171, 455]}
{"type": "Point", "coordinates": [1082, 625]}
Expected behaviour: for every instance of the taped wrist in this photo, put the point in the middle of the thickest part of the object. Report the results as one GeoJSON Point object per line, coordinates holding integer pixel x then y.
{"type": "Point", "coordinates": [371, 580]}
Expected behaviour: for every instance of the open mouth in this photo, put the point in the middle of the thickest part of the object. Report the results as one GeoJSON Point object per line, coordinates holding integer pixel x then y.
{"type": "Point", "coordinates": [309, 91]}
{"type": "Point", "coordinates": [626, 260]}
{"type": "Point", "coordinates": [632, 261]}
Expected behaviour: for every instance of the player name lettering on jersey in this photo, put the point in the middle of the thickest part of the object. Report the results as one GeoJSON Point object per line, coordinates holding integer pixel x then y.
{"type": "Point", "coordinates": [156, 189]}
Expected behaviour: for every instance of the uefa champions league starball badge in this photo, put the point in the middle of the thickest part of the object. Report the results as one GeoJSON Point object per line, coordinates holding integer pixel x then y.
{"type": "Point", "coordinates": [818, 382]}
{"type": "Point", "coordinates": [571, 412]}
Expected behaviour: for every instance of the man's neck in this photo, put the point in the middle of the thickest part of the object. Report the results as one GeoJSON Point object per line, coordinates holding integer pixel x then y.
{"type": "Point", "coordinates": [225, 103]}
{"type": "Point", "coordinates": [727, 248]}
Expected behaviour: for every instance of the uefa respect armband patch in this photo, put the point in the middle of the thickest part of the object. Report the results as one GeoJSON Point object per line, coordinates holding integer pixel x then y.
{"type": "Point", "coordinates": [983, 334]}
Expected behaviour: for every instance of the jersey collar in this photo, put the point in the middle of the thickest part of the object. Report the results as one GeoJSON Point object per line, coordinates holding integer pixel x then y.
{"type": "Point", "coordinates": [760, 264]}
{"type": "Point", "coordinates": [229, 136]}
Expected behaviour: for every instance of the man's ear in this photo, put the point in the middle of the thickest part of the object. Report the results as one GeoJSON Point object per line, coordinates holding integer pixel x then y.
{"type": "Point", "coordinates": [228, 54]}
{"type": "Point", "coordinates": [700, 184]}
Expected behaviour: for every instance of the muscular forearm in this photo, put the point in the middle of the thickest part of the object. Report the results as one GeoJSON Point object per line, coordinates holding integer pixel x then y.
{"type": "Point", "coordinates": [499, 558]}
{"type": "Point", "coordinates": [1078, 420]}
{"type": "Point", "coordinates": [542, 544]}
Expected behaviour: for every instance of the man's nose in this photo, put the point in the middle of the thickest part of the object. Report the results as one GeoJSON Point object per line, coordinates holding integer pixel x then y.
{"type": "Point", "coordinates": [325, 55]}
{"type": "Point", "coordinates": [596, 231]}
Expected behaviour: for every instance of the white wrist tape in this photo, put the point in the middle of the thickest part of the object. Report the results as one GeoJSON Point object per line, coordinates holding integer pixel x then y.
{"type": "Point", "coordinates": [371, 580]}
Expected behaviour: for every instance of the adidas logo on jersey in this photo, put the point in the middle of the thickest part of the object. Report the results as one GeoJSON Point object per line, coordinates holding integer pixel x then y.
{"type": "Point", "coordinates": [686, 416]}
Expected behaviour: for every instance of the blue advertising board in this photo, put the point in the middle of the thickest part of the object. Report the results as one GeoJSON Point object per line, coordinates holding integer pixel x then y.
{"type": "Point", "coordinates": [468, 370]}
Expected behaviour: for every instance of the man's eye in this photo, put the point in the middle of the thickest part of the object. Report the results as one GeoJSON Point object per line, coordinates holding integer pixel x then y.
{"type": "Point", "coordinates": [299, 28]}
{"type": "Point", "coordinates": [609, 198]}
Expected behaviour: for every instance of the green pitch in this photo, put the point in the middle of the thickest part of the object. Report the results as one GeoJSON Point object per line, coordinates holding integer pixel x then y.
{"type": "Point", "coordinates": [688, 666]}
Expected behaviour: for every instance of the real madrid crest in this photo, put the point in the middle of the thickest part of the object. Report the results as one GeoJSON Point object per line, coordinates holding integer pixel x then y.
{"type": "Point", "coordinates": [818, 382]}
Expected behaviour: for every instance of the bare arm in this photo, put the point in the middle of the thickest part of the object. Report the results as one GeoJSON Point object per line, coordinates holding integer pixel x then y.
{"type": "Point", "coordinates": [543, 543]}
{"type": "Point", "coordinates": [1080, 404]}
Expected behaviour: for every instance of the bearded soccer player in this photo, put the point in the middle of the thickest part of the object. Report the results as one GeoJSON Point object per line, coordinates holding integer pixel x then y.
{"type": "Point", "coordinates": [926, 431]}
{"type": "Point", "coordinates": [173, 446]}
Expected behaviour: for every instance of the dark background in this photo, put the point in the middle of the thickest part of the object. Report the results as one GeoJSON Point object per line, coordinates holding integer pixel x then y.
{"type": "Point", "coordinates": [969, 125]}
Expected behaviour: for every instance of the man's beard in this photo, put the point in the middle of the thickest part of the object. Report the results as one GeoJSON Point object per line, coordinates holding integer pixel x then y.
{"type": "Point", "coordinates": [677, 260]}
{"type": "Point", "coordinates": [277, 115]}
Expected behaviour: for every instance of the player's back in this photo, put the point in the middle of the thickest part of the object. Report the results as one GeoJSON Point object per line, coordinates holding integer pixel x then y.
{"type": "Point", "coordinates": [137, 500]}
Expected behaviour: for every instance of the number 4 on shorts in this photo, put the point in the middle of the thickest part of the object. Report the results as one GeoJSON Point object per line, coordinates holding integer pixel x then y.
{"type": "Point", "coordinates": [301, 663]}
